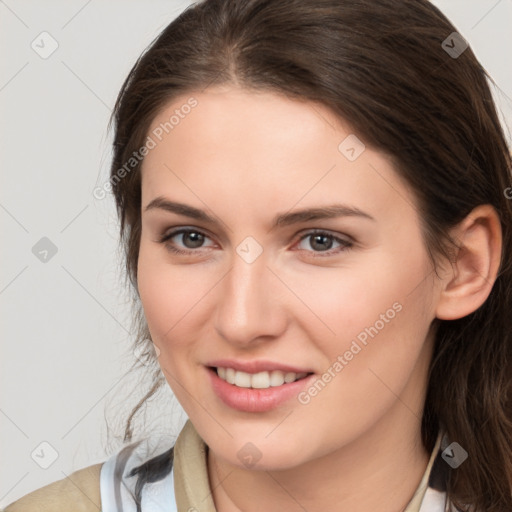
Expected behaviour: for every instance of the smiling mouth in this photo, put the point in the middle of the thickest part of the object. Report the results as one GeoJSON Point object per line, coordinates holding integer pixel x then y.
{"type": "Point", "coordinates": [260, 380]}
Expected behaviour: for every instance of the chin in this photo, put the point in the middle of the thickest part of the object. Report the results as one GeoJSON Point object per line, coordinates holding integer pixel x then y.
{"type": "Point", "coordinates": [264, 455]}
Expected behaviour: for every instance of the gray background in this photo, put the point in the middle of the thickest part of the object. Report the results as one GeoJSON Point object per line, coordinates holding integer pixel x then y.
{"type": "Point", "coordinates": [65, 322]}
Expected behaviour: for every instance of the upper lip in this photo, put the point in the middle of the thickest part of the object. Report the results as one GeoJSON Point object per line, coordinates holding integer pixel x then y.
{"type": "Point", "coordinates": [256, 366]}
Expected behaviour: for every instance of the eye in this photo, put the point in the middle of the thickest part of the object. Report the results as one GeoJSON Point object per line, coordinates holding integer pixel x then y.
{"type": "Point", "coordinates": [190, 238]}
{"type": "Point", "coordinates": [320, 242]}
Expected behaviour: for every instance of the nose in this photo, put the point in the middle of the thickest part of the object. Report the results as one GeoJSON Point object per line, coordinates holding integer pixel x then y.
{"type": "Point", "coordinates": [250, 303]}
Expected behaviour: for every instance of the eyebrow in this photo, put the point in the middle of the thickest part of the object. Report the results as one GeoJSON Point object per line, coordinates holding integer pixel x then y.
{"type": "Point", "coordinates": [281, 219]}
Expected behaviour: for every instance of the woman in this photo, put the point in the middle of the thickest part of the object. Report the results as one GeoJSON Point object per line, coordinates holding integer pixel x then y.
{"type": "Point", "coordinates": [313, 203]}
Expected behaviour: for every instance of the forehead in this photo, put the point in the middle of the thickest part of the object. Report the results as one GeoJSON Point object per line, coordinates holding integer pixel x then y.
{"type": "Point", "coordinates": [265, 147]}
{"type": "Point", "coordinates": [241, 120]}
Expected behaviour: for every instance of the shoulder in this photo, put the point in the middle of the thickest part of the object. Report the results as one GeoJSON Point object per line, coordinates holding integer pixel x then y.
{"type": "Point", "coordinates": [80, 492]}
{"type": "Point", "coordinates": [140, 474]}
{"type": "Point", "coordinates": [111, 485]}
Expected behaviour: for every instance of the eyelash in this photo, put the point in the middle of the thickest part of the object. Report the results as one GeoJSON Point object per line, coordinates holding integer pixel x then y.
{"type": "Point", "coordinates": [347, 245]}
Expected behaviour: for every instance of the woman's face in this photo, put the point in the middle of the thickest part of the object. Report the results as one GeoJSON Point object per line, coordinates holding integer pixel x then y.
{"type": "Point", "coordinates": [256, 289]}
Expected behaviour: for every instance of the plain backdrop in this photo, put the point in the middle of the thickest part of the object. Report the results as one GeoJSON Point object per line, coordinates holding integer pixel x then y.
{"type": "Point", "coordinates": [65, 329]}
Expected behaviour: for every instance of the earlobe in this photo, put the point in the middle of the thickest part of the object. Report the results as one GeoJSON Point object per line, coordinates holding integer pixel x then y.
{"type": "Point", "coordinates": [475, 266]}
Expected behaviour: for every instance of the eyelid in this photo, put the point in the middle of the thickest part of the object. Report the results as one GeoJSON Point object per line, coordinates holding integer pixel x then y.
{"type": "Point", "coordinates": [346, 241]}
{"type": "Point", "coordinates": [164, 239]}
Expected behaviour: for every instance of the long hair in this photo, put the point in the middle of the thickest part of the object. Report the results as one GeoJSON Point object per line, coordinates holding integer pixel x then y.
{"type": "Point", "coordinates": [385, 67]}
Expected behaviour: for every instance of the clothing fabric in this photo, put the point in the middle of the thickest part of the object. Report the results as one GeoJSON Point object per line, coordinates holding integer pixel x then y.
{"type": "Point", "coordinates": [78, 492]}
{"type": "Point", "coordinates": [186, 487]}
{"type": "Point", "coordinates": [107, 487]}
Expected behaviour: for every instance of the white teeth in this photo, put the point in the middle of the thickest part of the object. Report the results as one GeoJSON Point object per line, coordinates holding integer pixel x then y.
{"type": "Point", "coordinates": [289, 377]}
{"type": "Point", "coordinates": [230, 375]}
{"type": "Point", "coordinates": [261, 380]}
{"type": "Point", "coordinates": [242, 380]}
{"type": "Point", "coordinates": [276, 378]}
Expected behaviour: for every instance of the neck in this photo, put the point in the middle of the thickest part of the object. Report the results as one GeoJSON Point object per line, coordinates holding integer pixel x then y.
{"type": "Point", "coordinates": [380, 470]}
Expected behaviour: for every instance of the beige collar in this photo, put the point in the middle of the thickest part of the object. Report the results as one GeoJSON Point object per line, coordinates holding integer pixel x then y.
{"type": "Point", "coordinates": [191, 484]}
{"type": "Point", "coordinates": [417, 499]}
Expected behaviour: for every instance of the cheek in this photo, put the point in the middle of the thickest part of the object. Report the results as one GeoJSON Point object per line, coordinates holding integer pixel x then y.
{"type": "Point", "coordinates": [172, 297]}
{"type": "Point", "coordinates": [376, 317]}
{"type": "Point", "coordinates": [340, 303]}
{"type": "Point", "coordinates": [153, 289]}
{"type": "Point", "coordinates": [160, 294]}
{"type": "Point", "coordinates": [381, 352]}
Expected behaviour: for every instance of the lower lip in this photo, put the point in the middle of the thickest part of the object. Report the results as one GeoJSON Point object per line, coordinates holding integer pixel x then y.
{"type": "Point", "coordinates": [255, 400]}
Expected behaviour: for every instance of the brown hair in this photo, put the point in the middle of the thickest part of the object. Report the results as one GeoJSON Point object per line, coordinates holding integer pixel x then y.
{"type": "Point", "coordinates": [381, 66]}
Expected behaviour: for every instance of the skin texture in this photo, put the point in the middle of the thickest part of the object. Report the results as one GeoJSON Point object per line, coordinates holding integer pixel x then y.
{"type": "Point", "coordinates": [244, 157]}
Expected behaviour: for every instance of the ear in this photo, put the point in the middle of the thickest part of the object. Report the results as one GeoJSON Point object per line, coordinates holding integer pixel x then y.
{"type": "Point", "coordinates": [475, 265]}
